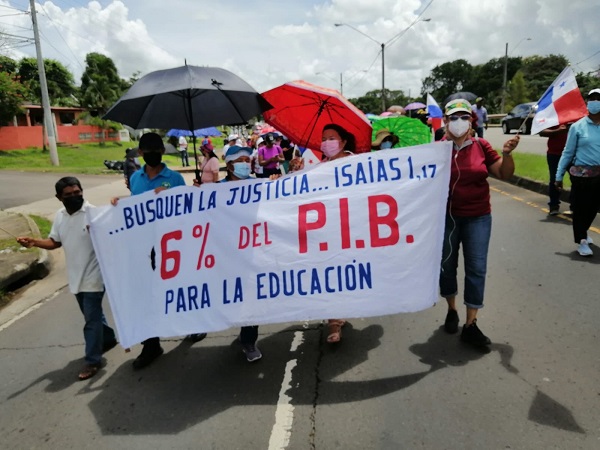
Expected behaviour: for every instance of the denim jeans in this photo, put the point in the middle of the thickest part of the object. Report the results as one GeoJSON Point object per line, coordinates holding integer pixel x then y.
{"type": "Point", "coordinates": [479, 131]}
{"type": "Point", "coordinates": [474, 234]}
{"type": "Point", "coordinates": [96, 331]}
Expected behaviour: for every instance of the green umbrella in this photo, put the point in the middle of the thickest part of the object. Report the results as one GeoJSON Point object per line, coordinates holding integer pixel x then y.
{"type": "Point", "coordinates": [409, 131]}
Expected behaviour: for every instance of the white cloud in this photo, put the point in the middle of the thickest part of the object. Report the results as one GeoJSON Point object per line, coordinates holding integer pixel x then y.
{"type": "Point", "coordinates": [270, 42]}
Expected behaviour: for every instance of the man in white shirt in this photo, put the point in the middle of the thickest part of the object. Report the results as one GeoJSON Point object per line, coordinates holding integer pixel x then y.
{"type": "Point", "coordinates": [482, 116]}
{"type": "Point", "coordinates": [183, 145]}
{"type": "Point", "coordinates": [70, 231]}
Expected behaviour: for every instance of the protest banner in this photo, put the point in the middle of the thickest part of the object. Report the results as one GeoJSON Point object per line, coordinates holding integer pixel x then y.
{"type": "Point", "coordinates": [355, 237]}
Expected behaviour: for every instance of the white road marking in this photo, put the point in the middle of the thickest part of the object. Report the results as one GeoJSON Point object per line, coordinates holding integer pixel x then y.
{"type": "Point", "coordinates": [26, 312]}
{"type": "Point", "coordinates": [284, 414]}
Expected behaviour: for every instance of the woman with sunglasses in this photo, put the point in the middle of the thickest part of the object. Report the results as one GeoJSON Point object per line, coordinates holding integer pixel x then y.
{"type": "Point", "coordinates": [468, 217]}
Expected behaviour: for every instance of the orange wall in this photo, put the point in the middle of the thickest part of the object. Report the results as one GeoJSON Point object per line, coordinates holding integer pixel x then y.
{"type": "Point", "coordinates": [16, 138]}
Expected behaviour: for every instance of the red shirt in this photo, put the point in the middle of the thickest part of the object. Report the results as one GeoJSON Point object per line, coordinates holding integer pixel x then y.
{"type": "Point", "coordinates": [557, 142]}
{"type": "Point", "coordinates": [469, 189]}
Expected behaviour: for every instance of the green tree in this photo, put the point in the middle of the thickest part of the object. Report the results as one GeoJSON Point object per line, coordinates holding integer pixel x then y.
{"type": "Point", "coordinates": [447, 79]}
{"type": "Point", "coordinates": [11, 97]}
{"type": "Point", "coordinates": [486, 80]}
{"type": "Point", "coordinates": [518, 91]}
{"type": "Point", "coordinates": [371, 101]}
{"type": "Point", "coordinates": [541, 71]}
{"type": "Point", "coordinates": [61, 84]}
{"type": "Point", "coordinates": [7, 64]}
{"type": "Point", "coordinates": [101, 86]}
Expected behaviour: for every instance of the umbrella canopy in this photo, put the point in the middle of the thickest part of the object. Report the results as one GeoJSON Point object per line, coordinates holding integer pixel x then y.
{"type": "Point", "coordinates": [409, 131]}
{"type": "Point", "coordinates": [468, 96]}
{"type": "Point", "coordinates": [415, 105]}
{"type": "Point", "coordinates": [301, 110]}
{"type": "Point", "coordinates": [187, 97]}
{"type": "Point", "coordinates": [210, 131]}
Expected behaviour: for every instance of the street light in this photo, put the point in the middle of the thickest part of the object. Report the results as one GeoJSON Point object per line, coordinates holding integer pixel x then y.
{"type": "Point", "coordinates": [505, 69]}
{"type": "Point", "coordinates": [383, 45]}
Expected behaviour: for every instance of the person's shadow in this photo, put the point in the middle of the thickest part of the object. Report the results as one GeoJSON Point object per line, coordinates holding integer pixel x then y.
{"type": "Point", "coordinates": [189, 385]}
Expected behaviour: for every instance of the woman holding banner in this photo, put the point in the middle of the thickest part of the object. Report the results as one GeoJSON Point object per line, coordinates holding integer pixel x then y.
{"type": "Point", "coordinates": [336, 143]}
{"type": "Point", "coordinates": [468, 218]}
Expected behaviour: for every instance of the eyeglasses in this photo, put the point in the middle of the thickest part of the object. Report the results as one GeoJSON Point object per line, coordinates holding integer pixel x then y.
{"type": "Point", "coordinates": [455, 118]}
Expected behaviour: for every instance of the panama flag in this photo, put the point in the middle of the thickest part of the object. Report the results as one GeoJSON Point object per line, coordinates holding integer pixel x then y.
{"type": "Point", "coordinates": [561, 103]}
{"type": "Point", "coordinates": [433, 109]}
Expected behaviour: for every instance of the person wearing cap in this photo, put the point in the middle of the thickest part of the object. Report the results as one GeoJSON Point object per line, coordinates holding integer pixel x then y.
{"type": "Point", "coordinates": [210, 164]}
{"type": "Point", "coordinates": [482, 116]}
{"type": "Point", "coordinates": [384, 140]}
{"type": "Point", "coordinates": [232, 139]}
{"type": "Point", "coordinates": [583, 151]}
{"type": "Point", "coordinates": [154, 176]}
{"type": "Point", "coordinates": [238, 160]}
{"type": "Point", "coordinates": [468, 216]}
{"type": "Point", "coordinates": [270, 156]}
{"type": "Point", "coordinates": [256, 167]}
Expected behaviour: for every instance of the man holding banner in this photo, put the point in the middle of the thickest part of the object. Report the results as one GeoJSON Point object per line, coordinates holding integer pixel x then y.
{"type": "Point", "coordinates": [156, 176]}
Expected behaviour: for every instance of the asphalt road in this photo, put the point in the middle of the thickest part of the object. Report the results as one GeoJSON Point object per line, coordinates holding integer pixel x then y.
{"type": "Point", "coordinates": [394, 382]}
{"type": "Point", "coordinates": [21, 188]}
{"type": "Point", "coordinates": [528, 144]}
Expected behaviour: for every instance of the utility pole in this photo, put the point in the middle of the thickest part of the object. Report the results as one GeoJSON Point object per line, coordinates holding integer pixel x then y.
{"type": "Point", "coordinates": [44, 86]}
{"type": "Point", "coordinates": [504, 79]}
{"type": "Point", "coordinates": [382, 77]}
{"type": "Point", "coordinates": [341, 84]}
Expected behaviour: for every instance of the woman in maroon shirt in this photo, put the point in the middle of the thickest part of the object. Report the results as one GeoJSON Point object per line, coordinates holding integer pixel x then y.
{"type": "Point", "coordinates": [468, 219]}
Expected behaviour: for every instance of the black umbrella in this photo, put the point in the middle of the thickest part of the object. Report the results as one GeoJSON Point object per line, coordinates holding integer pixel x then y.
{"type": "Point", "coordinates": [468, 96]}
{"type": "Point", "coordinates": [188, 97]}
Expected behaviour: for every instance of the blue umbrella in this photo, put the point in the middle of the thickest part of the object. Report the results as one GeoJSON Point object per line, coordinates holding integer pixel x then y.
{"type": "Point", "coordinates": [177, 133]}
{"type": "Point", "coordinates": [210, 131]}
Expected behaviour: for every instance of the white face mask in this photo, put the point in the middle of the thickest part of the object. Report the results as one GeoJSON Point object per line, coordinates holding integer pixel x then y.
{"type": "Point", "coordinates": [459, 127]}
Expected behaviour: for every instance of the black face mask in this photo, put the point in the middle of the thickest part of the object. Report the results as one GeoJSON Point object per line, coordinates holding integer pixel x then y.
{"type": "Point", "coordinates": [74, 203]}
{"type": "Point", "coordinates": [153, 159]}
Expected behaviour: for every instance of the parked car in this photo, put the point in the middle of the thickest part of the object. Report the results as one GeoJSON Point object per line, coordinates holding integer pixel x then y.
{"type": "Point", "coordinates": [519, 118]}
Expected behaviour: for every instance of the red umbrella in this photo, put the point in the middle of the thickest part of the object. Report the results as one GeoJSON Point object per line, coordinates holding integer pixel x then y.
{"type": "Point", "coordinates": [301, 110]}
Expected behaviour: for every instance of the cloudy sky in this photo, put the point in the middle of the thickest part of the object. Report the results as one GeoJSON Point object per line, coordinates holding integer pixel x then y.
{"type": "Point", "coordinates": [269, 42]}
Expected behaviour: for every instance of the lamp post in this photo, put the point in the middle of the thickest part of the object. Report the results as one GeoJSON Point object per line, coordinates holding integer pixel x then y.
{"type": "Point", "coordinates": [383, 45]}
{"type": "Point", "coordinates": [502, 103]}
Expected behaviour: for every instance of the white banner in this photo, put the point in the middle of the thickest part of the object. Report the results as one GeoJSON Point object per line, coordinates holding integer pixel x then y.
{"type": "Point", "coordinates": [356, 237]}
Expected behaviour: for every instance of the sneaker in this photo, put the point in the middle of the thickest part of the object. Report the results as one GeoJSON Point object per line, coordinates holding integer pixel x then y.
{"type": "Point", "coordinates": [195, 337]}
{"type": "Point", "coordinates": [149, 354]}
{"type": "Point", "coordinates": [472, 335]}
{"type": "Point", "coordinates": [584, 248]}
{"type": "Point", "coordinates": [451, 323]}
{"type": "Point", "coordinates": [554, 211]}
{"type": "Point", "coordinates": [252, 352]}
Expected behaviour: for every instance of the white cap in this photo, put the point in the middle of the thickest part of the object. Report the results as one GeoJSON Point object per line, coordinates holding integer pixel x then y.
{"type": "Point", "coordinates": [233, 137]}
{"type": "Point", "coordinates": [259, 141]}
{"type": "Point", "coordinates": [594, 91]}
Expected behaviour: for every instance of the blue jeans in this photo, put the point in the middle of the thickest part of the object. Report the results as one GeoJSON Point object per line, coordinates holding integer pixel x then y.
{"type": "Point", "coordinates": [474, 234]}
{"type": "Point", "coordinates": [479, 131]}
{"type": "Point", "coordinates": [96, 331]}
{"type": "Point", "coordinates": [553, 192]}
